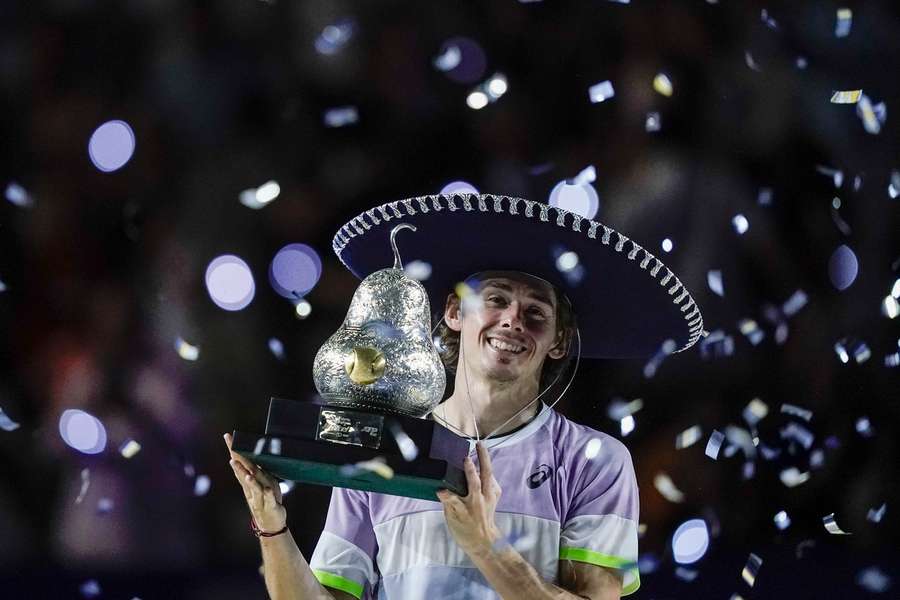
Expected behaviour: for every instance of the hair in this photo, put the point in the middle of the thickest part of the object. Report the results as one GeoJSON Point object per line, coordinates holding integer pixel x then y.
{"type": "Point", "coordinates": [566, 325]}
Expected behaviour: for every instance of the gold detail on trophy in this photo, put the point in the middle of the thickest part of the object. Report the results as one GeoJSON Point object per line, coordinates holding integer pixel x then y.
{"type": "Point", "coordinates": [364, 365]}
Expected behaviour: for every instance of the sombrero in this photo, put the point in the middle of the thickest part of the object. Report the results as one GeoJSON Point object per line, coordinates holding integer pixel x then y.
{"type": "Point", "coordinates": [628, 303]}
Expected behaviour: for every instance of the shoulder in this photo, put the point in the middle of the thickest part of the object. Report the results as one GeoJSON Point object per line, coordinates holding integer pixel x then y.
{"type": "Point", "coordinates": [589, 455]}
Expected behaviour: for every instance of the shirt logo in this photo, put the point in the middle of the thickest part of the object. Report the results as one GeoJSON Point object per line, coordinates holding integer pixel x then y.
{"type": "Point", "coordinates": [539, 477]}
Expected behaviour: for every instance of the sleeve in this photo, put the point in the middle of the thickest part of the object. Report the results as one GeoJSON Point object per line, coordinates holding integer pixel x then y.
{"type": "Point", "coordinates": [344, 557]}
{"type": "Point", "coordinates": [600, 526]}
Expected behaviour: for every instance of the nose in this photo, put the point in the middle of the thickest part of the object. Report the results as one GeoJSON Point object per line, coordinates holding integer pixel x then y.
{"type": "Point", "coordinates": [511, 317]}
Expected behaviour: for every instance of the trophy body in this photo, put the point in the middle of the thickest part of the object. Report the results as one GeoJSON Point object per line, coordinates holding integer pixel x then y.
{"type": "Point", "coordinates": [379, 375]}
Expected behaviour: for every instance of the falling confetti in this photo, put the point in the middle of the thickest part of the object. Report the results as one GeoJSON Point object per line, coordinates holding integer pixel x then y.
{"type": "Point", "coordinates": [838, 220]}
{"type": "Point", "coordinates": [105, 506]}
{"type": "Point", "coordinates": [129, 448]}
{"type": "Point", "coordinates": [257, 198]}
{"type": "Point", "coordinates": [873, 580]}
{"type": "Point", "coordinates": [186, 350]}
{"type": "Point", "coordinates": [341, 116]}
{"type": "Point", "coordinates": [201, 485]}
{"type": "Point", "coordinates": [750, 62]}
{"type": "Point", "coordinates": [832, 527]}
{"type": "Point", "coordinates": [276, 347]}
{"type": "Point", "coordinates": [601, 91]}
{"type": "Point", "coordinates": [872, 116]}
{"type": "Point", "coordinates": [578, 198]}
{"type": "Point", "coordinates": [797, 433]}
{"type": "Point", "coordinates": [782, 520]}
{"type": "Point", "coordinates": [864, 427]}
{"type": "Point", "coordinates": [626, 425]}
{"type": "Point", "coordinates": [459, 187]}
{"type": "Point", "coordinates": [765, 196]}
{"type": "Point", "coordinates": [667, 348]}
{"type": "Point", "coordinates": [837, 176]}
{"type": "Point", "coordinates": [376, 466]}
{"type": "Point", "coordinates": [662, 84]}
{"type": "Point", "coordinates": [741, 224]}
{"type": "Point", "coordinates": [751, 331]}
{"type": "Point", "coordinates": [792, 477]}
{"type": "Point", "coordinates": [894, 185]}
{"type": "Point", "coordinates": [690, 541]}
{"type": "Point", "coordinates": [407, 446]}
{"type": "Point", "coordinates": [448, 59]}
{"type": "Point", "coordinates": [652, 122]}
{"type": "Point", "coordinates": [846, 97]}
{"type": "Point", "coordinates": [90, 589]}
{"type": "Point", "coordinates": [17, 195]}
{"type": "Point", "coordinates": [755, 411]}
{"type": "Point", "coordinates": [751, 569]}
{"type": "Point", "coordinates": [303, 309]}
{"type": "Point", "coordinates": [666, 487]}
{"type": "Point", "coordinates": [295, 270]}
{"type": "Point", "coordinates": [686, 574]}
{"type": "Point", "coordinates": [717, 344]}
{"type": "Point", "coordinates": [667, 245]}
{"type": "Point", "coordinates": [85, 485]}
{"type": "Point", "coordinates": [334, 37]}
{"type": "Point", "coordinates": [714, 444]}
{"type": "Point", "coordinates": [7, 424]}
{"type": "Point", "coordinates": [791, 409]}
{"type": "Point", "coordinates": [714, 280]}
{"type": "Point", "coordinates": [843, 23]}
{"type": "Point", "coordinates": [876, 514]}
{"type": "Point", "coordinates": [688, 437]}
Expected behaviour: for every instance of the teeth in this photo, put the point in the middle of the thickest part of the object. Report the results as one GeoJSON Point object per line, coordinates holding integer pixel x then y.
{"type": "Point", "coordinates": [504, 346]}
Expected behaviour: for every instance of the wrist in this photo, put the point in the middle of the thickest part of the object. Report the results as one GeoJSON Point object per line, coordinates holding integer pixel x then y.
{"type": "Point", "coordinates": [262, 532]}
{"type": "Point", "coordinates": [493, 544]}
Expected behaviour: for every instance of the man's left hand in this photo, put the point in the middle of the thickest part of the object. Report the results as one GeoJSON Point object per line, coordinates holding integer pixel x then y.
{"type": "Point", "coordinates": [470, 518]}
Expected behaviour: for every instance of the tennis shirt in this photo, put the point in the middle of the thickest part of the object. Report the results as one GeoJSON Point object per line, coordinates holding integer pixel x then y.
{"type": "Point", "coordinates": [569, 493]}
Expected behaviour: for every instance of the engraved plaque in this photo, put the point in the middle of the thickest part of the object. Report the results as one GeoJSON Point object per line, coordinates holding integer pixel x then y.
{"type": "Point", "coordinates": [342, 426]}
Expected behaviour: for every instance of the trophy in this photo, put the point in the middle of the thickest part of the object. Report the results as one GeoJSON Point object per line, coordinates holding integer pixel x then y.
{"type": "Point", "coordinates": [378, 375]}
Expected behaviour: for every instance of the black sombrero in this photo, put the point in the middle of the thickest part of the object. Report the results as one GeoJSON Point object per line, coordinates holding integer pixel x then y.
{"type": "Point", "coordinates": [628, 303]}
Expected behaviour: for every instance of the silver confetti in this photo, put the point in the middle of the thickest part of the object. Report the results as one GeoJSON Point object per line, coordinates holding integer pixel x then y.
{"type": "Point", "coordinates": [618, 409]}
{"type": "Point", "coordinates": [741, 224]}
{"type": "Point", "coordinates": [872, 116]}
{"type": "Point", "coordinates": [7, 424]}
{"type": "Point", "coordinates": [832, 527]}
{"type": "Point", "coordinates": [716, 345]}
{"type": "Point", "coordinates": [894, 185]}
{"type": "Point", "coordinates": [864, 427]}
{"type": "Point", "coordinates": [653, 364]}
{"type": "Point", "coordinates": [782, 520]}
{"type": "Point", "coordinates": [90, 589]}
{"type": "Point", "coordinates": [666, 487]}
{"type": "Point", "coordinates": [846, 97]}
{"type": "Point", "coordinates": [652, 122]}
{"type": "Point", "coordinates": [798, 433]}
{"type": "Point", "coordinates": [85, 485]}
{"type": "Point", "coordinates": [755, 411]}
{"type": "Point", "coordinates": [341, 116]}
{"type": "Point", "coordinates": [714, 444]}
{"type": "Point", "coordinates": [186, 350]}
{"type": "Point", "coordinates": [105, 506]}
{"type": "Point", "coordinates": [817, 458]}
{"type": "Point", "coordinates": [764, 197]}
{"type": "Point", "coordinates": [793, 304]}
{"type": "Point", "coordinates": [129, 448]}
{"type": "Point", "coordinates": [876, 514]}
{"type": "Point", "coordinates": [17, 195]}
{"type": "Point", "coordinates": [201, 485]}
{"type": "Point", "coordinates": [714, 280]}
{"type": "Point", "coordinates": [796, 411]}
{"type": "Point", "coordinates": [751, 331]}
{"type": "Point", "coordinates": [688, 437]}
{"type": "Point", "coordinates": [407, 446]}
{"type": "Point", "coordinates": [275, 446]}
{"type": "Point", "coordinates": [686, 574]}
{"type": "Point", "coordinates": [843, 23]}
{"type": "Point", "coordinates": [792, 477]}
{"type": "Point", "coordinates": [601, 91]}
{"type": "Point", "coordinates": [874, 580]}
{"type": "Point", "coordinates": [449, 60]}
{"type": "Point", "coordinates": [837, 176]}
{"type": "Point", "coordinates": [748, 59]}
{"type": "Point", "coordinates": [751, 569]}
{"type": "Point", "coordinates": [276, 348]}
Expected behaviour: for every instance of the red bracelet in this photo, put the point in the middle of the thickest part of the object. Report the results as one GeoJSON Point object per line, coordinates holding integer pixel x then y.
{"type": "Point", "coordinates": [260, 533]}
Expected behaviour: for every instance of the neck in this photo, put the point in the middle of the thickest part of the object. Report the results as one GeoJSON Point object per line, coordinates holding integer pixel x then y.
{"type": "Point", "coordinates": [491, 403]}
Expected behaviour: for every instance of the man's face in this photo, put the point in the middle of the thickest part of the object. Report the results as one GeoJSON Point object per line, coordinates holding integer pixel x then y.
{"type": "Point", "coordinates": [509, 329]}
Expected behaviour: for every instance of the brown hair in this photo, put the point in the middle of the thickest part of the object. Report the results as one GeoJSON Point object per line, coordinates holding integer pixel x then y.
{"type": "Point", "coordinates": [448, 343]}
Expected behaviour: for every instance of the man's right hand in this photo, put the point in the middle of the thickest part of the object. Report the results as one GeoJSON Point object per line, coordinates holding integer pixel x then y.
{"type": "Point", "coordinates": [261, 491]}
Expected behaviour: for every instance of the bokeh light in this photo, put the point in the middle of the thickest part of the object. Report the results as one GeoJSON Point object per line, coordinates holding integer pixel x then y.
{"type": "Point", "coordinates": [82, 431]}
{"type": "Point", "coordinates": [667, 245]}
{"type": "Point", "coordinates": [418, 270]}
{"type": "Point", "coordinates": [581, 199]}
{"type": "Point", "coordinates": [111, 146]}
{"type": "Point", "coordinates": [295, 270]}
{"type": "Point", "coordinates": [230, 283]}
{"type": "Point", "coordinates": [459, 187]}
{"type": "Point", "coordinates": [690, 541]}
{"type": "Point", "coordinates": [843, 267]}
{"type": "Point", "coordinates": [477, 100]}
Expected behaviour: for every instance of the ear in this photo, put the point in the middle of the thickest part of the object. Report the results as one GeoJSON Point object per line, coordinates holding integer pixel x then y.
{"type": "Point", "coordinates": [453, 313]}
{"type": "Point", "coordinates": [559, 350]}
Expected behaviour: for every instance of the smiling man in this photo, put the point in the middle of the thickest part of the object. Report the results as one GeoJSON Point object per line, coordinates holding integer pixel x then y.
{"type": "Point", "coordinates": [552, 507]}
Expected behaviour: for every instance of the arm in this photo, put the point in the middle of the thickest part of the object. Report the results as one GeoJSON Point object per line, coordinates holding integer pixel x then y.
{"type": "Point", "coordinates": [286, 572]}
{"type": "Point", "coordinates": [471, 521]}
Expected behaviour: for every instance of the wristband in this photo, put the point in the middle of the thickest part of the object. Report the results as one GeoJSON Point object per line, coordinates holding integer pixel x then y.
{"type": "Point", "coordinates": [260, 533]}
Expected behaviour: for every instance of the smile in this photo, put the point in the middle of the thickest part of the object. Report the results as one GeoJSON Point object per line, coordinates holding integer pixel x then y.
{"type": "Point", "coordinates": [505, 346]}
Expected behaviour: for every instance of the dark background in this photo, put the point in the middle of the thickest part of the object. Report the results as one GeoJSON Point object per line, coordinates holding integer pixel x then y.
{"type": "Point", "coordinates": [105, 270]}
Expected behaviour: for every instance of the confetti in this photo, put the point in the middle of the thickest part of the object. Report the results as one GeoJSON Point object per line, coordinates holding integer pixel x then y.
{"type": "Point", "coordinates": [755, 411]}
{"type": "Point", "coordinates": [341, 116]}
{"type": "Point", "coordinates": [892, 360]}
{"type": "Point", "coordinates": [741, 224]}
{"type": "Point", "coordinates": [876, 514]}
{"type": "Point", "coordinates": [665, 350]}
{"type": "Point", "coordinates": [714, 444]}
{"type": "Point", "coordinates": [872, 116]}
{"type": "Point", "coordinates": [619, 409]}
{"type": "Point", "coordinates": [89, 589]}
{"type": "Point", "coordinates": [765, 196]}
{"type": "Point", "coordinates": [832, 527]}
{"type": "Point", "coordinates": [257, 198]}
{"type": "Point", "coordinates": [286, 487]}
{"type": "Point", "coordinates": [587, 175]}
{"type": "Point", "coordinates": [716, 345]}
{"type": "Point", "coordinates": [334, 37]}
{"type": "Point", "coordinates": [751, 331]}
{"type": "Point", "coordinates": [449, 59]}
{"type": "Point", "coordinates": [782, 520]}
{"type": "Point", "coordinates": [750, 62]}
{"type": "Point", "coordinates": [837, 176]}
{"type": "Point", "coordinates": [647, 563]}
{"type": "Point", "coordinates": [797, 433]}
{"type": "Point", "coordinates": [186, 350]}
{"type": "Point", "coordinates": [652, 122]}
{"type": "Point", "coordinates": [751, 569]}
{"type": "Point", "coordinates": [581, 199]}
{"type": "Point", "coordinates": [7, 424]}
{"type": "Point", "coordinates": [666, 487]}
{"type": "Point", "coordinates": [796, 411]}
{"type": "Point", "coordinates": [769, 21]}
{"type": "Point", "coordinates": [662, 84]}
{"type": "Point", "coordinates": [129, 448]}
{"type": "Point", "coordinates": [838, 220]}
{"type": "Point", "coordinates": [601, 91]}
{"type": "Point", "coordinates": [686, 574]}
{"type": "Point", "coordinates": [626, 425]}
{"type": "Point", "coordinates": [477, 100]}
{"type": "Point", "coordinates": [801, 62]}
{"type": "Point", "coordinates": [275, 446]}
{"type": "Point", "coordinates": [873, 580]}
{"type": "Point", "coordinates": [3, 287]}
{"type": "Point", "coordinates": [407, 446]}
{"type": "Point", "coordinates": [894, 185]}
{"type": "Point", "coordinates": [295, 270]}
{"type": "Point", "coordinates": [714, 280]}
{"type": "Point", "coordinates": [303, 309]}
{"type": "Point", "coordinates": [843, 23]}
{"type": "Point", "coordinates": [496, 86]}
{"type": "Point", "coordinates": [890, 308]}
{"type": "Point", "coordinates": [276, 347]}
{"type": "Point", "coordinates": [201, 485]}
{"type": "Point", "coordinates": [376, 466]}
{"type": "Point", "coordinates": [17, 195]}
{"type": "Point", "coordinates": [817, 458]}
{"type": "Point", "coordinates": [792, 477]}
{"type": "Point", "coordinates": [667, 245]}
{"type": "Point", "coordinates": [864, 427]}
{"type": "Point", "coordinates": [690, 541]}
{"type": "Point", "coordinates": [846, 97]}
{"type": "Point", "coordinates": [105, 506]}
{"type": "Point", "coordinates": [85, 485]}
{"type": "Point", "coordinates": [688, 437]}
{"type": "Point", "coordinates": [592, 448]}
{"type": "Point", "coordinates": [802, 546]}
{"type": "Point", "coordinates": [567, 261]}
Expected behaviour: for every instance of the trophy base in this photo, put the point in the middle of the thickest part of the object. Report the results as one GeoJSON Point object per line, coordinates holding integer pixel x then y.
{"type": "Point", "coordinates": [357, 449]}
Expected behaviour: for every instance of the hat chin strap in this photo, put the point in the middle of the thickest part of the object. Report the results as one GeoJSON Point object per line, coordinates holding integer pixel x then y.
{"type": "Point", "coordinates": [478, 437]}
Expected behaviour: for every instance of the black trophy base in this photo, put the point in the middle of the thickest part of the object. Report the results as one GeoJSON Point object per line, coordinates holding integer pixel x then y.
{"type": "Point", "coordinates": [357, 449]}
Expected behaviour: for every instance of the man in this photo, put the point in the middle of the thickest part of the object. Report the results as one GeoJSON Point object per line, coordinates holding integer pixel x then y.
{"type": "Point", "coordinates": [552, 507]}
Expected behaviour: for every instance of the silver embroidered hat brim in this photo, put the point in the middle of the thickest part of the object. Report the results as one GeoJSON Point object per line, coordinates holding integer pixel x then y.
{"type": "Point", "coordinates": [628, 303]}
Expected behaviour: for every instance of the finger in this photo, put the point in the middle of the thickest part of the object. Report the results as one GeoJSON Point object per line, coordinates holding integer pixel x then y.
{"type": "Point", "coordinates": [449, 500]}
{"type": "Point", "coordinates": [472, 478]}
{"type": "Point", "coordinates": [240, 474]}
{"type": "Point", "coordinates": [234, 455]}
{"type": "Point", "coordinates": [484, 463]}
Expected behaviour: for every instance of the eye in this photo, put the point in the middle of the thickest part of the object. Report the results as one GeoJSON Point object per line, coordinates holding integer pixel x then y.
{"type": "Point", "coordinates": [496, 299]}
{"type": "Point", "coordinates": [537, 312]}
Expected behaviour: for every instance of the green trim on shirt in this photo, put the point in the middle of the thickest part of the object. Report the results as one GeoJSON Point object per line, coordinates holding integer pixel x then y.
{"type": "Point", "coordinates": [604, 560]}
{"type": "Point", "coordinates": [339, 583]}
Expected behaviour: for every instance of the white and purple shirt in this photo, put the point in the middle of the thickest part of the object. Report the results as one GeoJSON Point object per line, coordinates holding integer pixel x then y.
{"type": "Point", "coordinates": [569, 493]}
